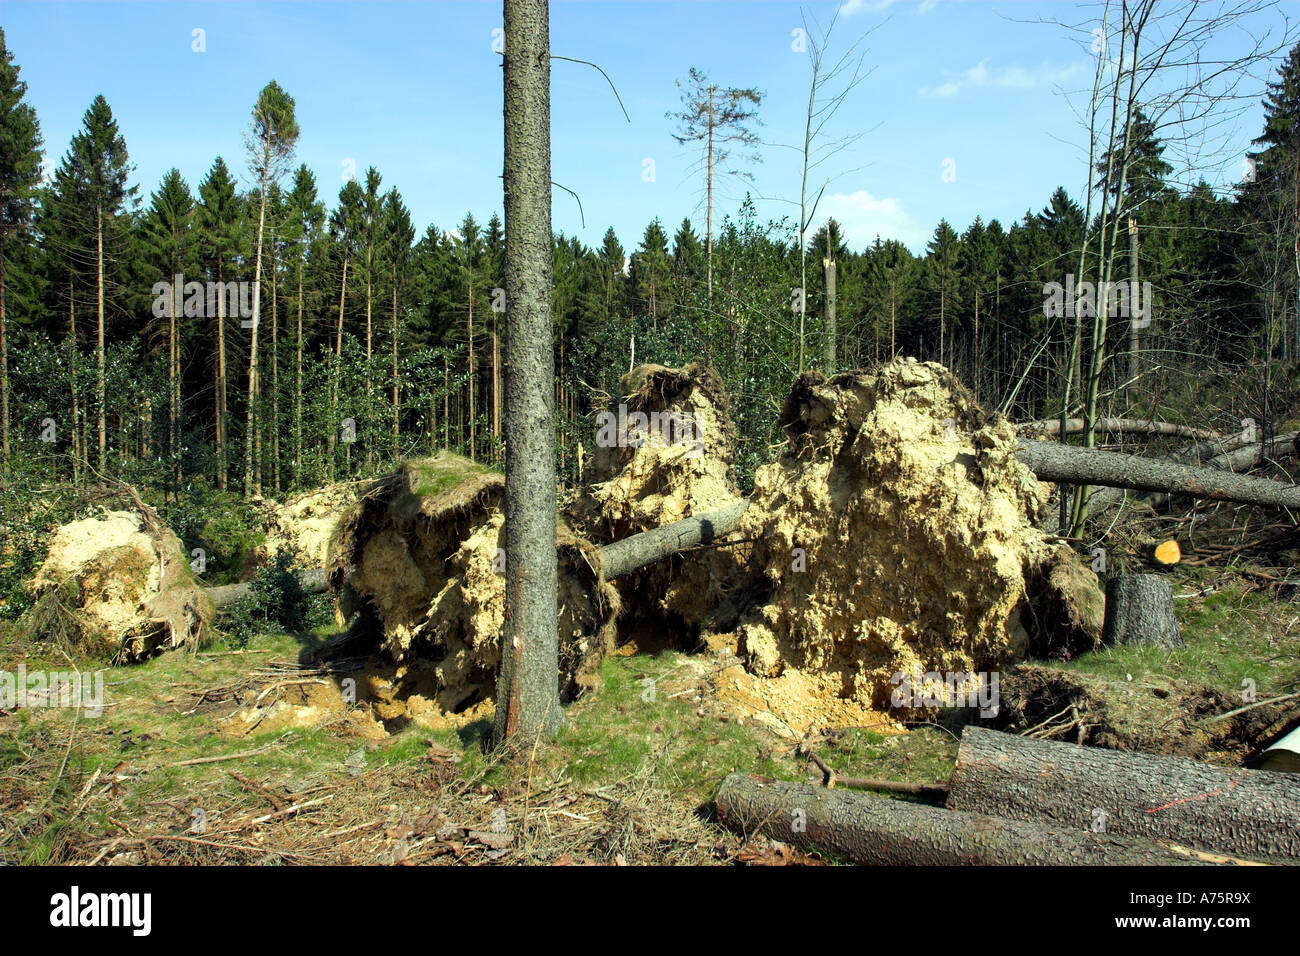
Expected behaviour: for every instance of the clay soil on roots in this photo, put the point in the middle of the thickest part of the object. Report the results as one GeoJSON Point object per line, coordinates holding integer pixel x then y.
{"type": "Point", "coordinates": [418, 559]}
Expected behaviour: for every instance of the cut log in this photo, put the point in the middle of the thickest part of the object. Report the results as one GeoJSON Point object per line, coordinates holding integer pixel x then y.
{"type": "Point", "coordinates": [865, 828]}
{"type": "Point", "coordinates": [312, 581]}
{"type": "Point", "coordinates": [1119, 426]}
{"type": "Point", "coordinates": [1140, 611]}
{"type": "Point", "coordinates": [1072, 465]}
{"type": "Point", "coordinates": [639, 550]}
{"type": "Point", "coordinates": [1136, 795]}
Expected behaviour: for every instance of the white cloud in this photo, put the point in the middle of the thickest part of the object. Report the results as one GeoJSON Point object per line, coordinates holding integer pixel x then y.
{"type": "Point", "coordinates": [862, 217]}
{"type": "Point", "coordinates": [982, 76]}
{"type": "Point", "coordinates": [849, 7]}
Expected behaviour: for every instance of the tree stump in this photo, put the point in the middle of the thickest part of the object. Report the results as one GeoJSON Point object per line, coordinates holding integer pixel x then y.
{"type": "Point", "coordinates": [1140, 610]}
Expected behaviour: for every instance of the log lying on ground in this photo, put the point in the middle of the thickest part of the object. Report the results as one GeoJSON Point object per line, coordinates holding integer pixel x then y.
{"type": "Point", "coordinates": [312, 581]}
{"type": "Point", "coordinates": [1140, 611]}
{"type": "Point", "coordinates": [1137, 795]}
{"type": "Point", "coordinates": [1071, 465]}
{"type": "Point", "coordinates": [1119, 426]}
{"type": "Point", "coordinates": [865, 828]}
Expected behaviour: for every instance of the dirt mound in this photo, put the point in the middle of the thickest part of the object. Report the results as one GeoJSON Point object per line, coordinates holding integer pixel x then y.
{"type": "Point", "coordinates": [894, 536]}
{"type": "Point", "coordinates": [419, 558]}
{"type": "Point", "coordinates": [305, 523]}
{"type": "Point", "coordinates": [664, 451]}
{"type": "Point", "coordinates": [117, 584]}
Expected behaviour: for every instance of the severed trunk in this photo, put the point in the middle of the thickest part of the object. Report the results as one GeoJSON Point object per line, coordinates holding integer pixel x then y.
{"type": "Point", "coordinates": [865, 828]}
{"type": "Point", "coordinates": [1128, 794]}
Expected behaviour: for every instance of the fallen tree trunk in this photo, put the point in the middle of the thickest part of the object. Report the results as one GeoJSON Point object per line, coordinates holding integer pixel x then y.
{"type": "Point", "coordinates": [617, 559]}
{"type": "Point", "coordinates": [1071, 465]}
{"type": "Point", "coordinates": [639, 550]}
{"type": "Point", "coordinates": [1130, 794]}
{"type": "Point", "coordinates": [1120, 426]}
{"type": "Point", "coordinates": [869, 829]}
{"type": "Point", "coordinates": [312, 581]}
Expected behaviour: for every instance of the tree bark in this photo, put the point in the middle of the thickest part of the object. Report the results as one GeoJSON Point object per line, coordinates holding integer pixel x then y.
{"type": "Point", "coordinates": [99, 350]}
{"type": "Point", "coordinates": [1140, 611]}
{"type": "Point", "coordinates": [830, 266]}
{"type": "Point", "coordinates": [1131, 794]}
{"type": "Point", "coordinates": [626, 556]}
{"type": "Point", "coordinates": [253, 385]}
{"type": "Point", "coordinates": [528, 699]}
{"type": "Point", "coordinates": [1067, 464]}
{"type": "Point", "coordinates": [866, 828]}
{"type": "Point", "coordinates": [1120, 426]}
{"type": "Point", "coordinates": [4, 374]}
{"type": "Point", "coordinates": [313, 581]}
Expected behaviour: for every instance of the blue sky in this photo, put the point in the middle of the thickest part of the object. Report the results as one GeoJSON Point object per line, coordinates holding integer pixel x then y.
{"type": "Point", "coordinates": [414, 89]}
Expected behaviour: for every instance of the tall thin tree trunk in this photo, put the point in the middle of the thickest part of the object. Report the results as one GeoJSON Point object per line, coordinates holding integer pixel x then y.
{"type": "Point", "coordinates": [334, 423]}
{"type": "Point", "coordinates": [469, 330]}
{"type": "Point", "coordinates": [99, 351]}
{"type": "Point", "coordinates": [249, 432]}
{"type": "Point", "coordinates": [1133, 364]}
{"type": "Point", "coordinates": [297, 390]}
{"type": "Point", "coordinates": [78, 446]}
{"type": "Point", "coordinates": [396, 406]}
{"type": "Point", "coordinates": [4, 374]}
{"type": "Point", "coordinates": [528, 703]}
{"type": "Point", "coordinates": [275, 379]}
{"type": "Point", "coordinates": [708, 214]}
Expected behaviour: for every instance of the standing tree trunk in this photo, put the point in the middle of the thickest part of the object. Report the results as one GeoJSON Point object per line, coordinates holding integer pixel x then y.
{"type": "Point", "coordinates": [333, 425]}
{"type": "Point", "coordinates": [99, 351]}
{"type": "Point", "coordinates": [528, 700]}
{"type": "Point", "coordinates": [1133, 364]}
{"type": "Point", "coordinates": [4, 374]}
{"type": "Point", "coordinates": [257, 314]}
{"type": "Point", "coordinates": [222, 451]}
{"type": "Point", "coordinates": [78, 446]}
{"type": "Point", "coordinates": [275, 378]}
{"type": "Point", "coordinates": [828, 264]}
{"type": "Point", "coordinates": [297, 391]}
{"type": "Point", "coordinates": [396, 406]}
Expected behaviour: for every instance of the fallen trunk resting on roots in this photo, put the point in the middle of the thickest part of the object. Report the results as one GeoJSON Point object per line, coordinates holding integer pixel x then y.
{"type": "Point", "coordinates": [864, 828]}
{"type": "Point", "coordinates": [1132, 794]}
{"type": "Point", "coordinates": [616, 560]}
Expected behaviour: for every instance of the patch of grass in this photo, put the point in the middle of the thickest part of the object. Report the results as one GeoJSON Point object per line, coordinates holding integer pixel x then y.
{"type": "Point", "coordinates": [1231, 636]}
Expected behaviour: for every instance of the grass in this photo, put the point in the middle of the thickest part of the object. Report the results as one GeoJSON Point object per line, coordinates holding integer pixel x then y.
{"type": "Point", "coordinates": [1232, 636]}
{"type": "Point", "coordinates": [631, 775]}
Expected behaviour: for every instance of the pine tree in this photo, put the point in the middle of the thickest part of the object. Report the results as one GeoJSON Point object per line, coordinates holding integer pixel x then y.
{"type": "Point", "coordinates": [270, 140]}
{"type": "Point", "coordinates": [720, 118]}
{"type": "Point", "coordinates": [20, 175]}
{"type": "Point", "coordinates": [304, 216]}
{"type": "Point", "coordinates": [91, 181]}
{"type": "Point", "coordinates": [219, 218]}
{"type": "Point", "coordinates": [171, 240]}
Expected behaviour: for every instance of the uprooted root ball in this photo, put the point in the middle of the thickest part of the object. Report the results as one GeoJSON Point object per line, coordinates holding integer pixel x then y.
{"type": "Point", "coordinates": [117, 584]}
{"type": "Point", "coordinates": [894, 534]}
{"type": "Point", "coordinates": [419, 556]}
{"type": "Point", "coordinates": [664, 451]}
